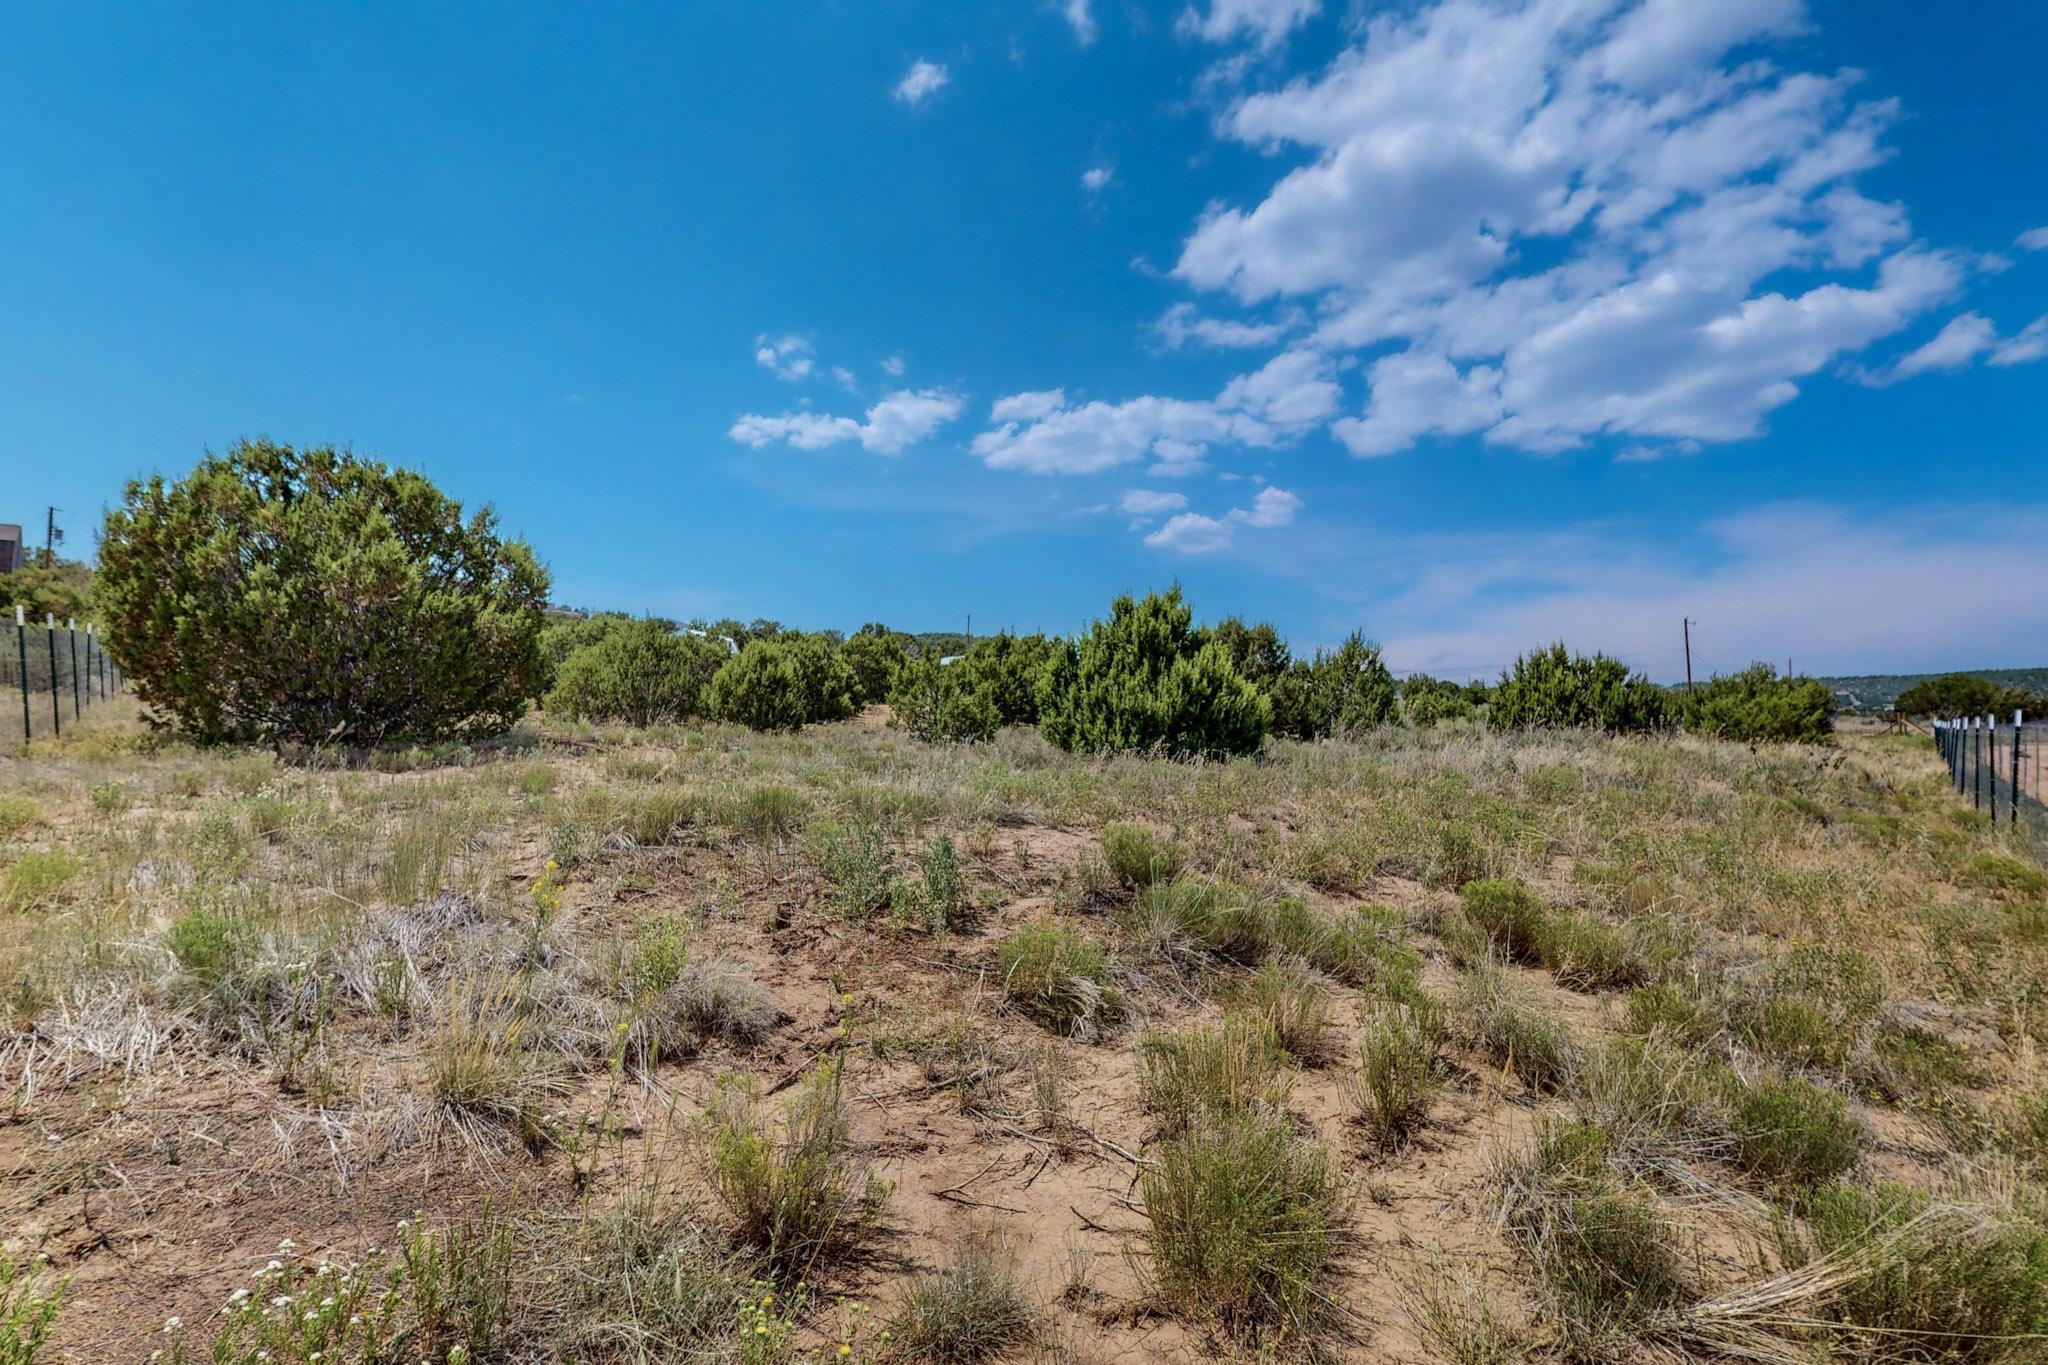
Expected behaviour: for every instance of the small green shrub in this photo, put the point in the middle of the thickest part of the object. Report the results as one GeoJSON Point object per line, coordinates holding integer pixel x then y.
{"type": "Point", "coordinates": [859, 869]}
{"type": "Point", "coordinates": [1343, 692]}
{"type": "Point", "coordinates": [1508, 913]}
{"type": "Point", "coordinates": [1201, 1075]}
{"type": "Point", "coordinates": [1242, 1219]}
{"type": "Point", "coordinates": [799, 1197]}
{"type": "Point", "coordinates": [1137, 856]}
{"type": "Point", "coordinates": [1793, 1029]}
{"type": "Point", "coordinates": [28, 1311]}
{"type": "Point", "coordinates": [1060, 978]}
{"type": "Point", "coordinates": [1555, 688]}
{"type": "Point", "coordinates": [1145, 681]}
{"type": "Point", "coordinates": [1585, 954]}
{"type": "Point", "coordinates": [1666, 1010]}
{"type": "Point", "coordinates": [205, 944]}
{"type": "Point", "coordinates": [1756, 706]}
{"type": "Point", "coordinates": [971, 1309]}
{"type": "Point", "coordinates": [784, 683]}
{"type": "Point", "coordinates": [1535, 1050]}
{"type": "Point", "coordinates": [1607, 1260]}
{"type": "Point", "coordinates": [639, 672]}
{"type": "Point", "coordinates": [17, 813]}
{"type": "Point", "coordinates": [1793, 1135]}
{"type": "Point", "coordinates": [935, 703]}
{"type": "Point", "coordinates": [660, 952]}
{"type": "Point", "coordinates": [654, 817]}
{"type": "Point", "coordinates": [938, 898]}
{"type": "Point", "coordinates": [2005, 875]}
{"type": "Point", "coordinates": [34, 879]}
{"type": "Point", "coordinates": [110, 799]}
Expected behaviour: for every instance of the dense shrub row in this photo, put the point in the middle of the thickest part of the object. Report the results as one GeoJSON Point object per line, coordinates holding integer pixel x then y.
{"type": "Point", "coordinates": [312, 597]}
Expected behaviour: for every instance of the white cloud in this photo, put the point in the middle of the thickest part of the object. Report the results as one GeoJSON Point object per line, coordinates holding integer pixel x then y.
{"type": "Point", "coordinates": [1293, 391]}
{"type": "Point", "coordinates": [1095, 178]}
{"type": "Point", "coordinates": [1265, 22]}
{"type": "Point", "coordinates": [893, 365]}
{"type": "Point", "coordinates": [843, 377]}
{"type": "Point", "coordinates": [1078, 14]}
{"type": "Point", "coordinates": [2033, 239]}
{"type": "Point", "coordinates": [1272, 507]}
{"type": "Point", "coordinates": [1143, 504]}
{"type": "Point", "coordinates": [1564, 212]}
{"type": "Point", "coordinates": [1028, 407]}
{"type": "Point", "coordinates": [1041, 433]}
{"type": "Point", "coordinates": [1182, 324]}
{"type": "Point", "coordinates": [1191, 533]}
{"type": "Point", "coordinates": [786, 358]}
{"type": "Point", "coordinates": [899, 420]}
{"type": "Point", "coordinates": [921, 82]}
{"type": "Point", "coordinates": [1194, 534]}
{"type": "Point", "coordinates": [1966, 337]}
{"type": "Point", "coordinates": [2030, 344]}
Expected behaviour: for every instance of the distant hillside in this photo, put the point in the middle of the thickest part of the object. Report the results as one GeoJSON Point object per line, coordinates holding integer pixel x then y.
{"type": "Point", "coordinates": [1876, 691]}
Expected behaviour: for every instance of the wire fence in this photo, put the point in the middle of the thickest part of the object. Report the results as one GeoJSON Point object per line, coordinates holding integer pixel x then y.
{"type": "Point", "coordinates": [1996, 762]}
{"type": "Point", "coordinates": [52, 673]}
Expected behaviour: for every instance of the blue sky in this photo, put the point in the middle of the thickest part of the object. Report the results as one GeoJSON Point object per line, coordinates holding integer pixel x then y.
{"type": "Point", "coordinates": [1470, 325]}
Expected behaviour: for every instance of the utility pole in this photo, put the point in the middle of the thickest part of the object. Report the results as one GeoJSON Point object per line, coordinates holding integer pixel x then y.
{"type": "Point", "coordinates": [1688, 654]}
{"type": "Point", "coordinates": [51, 535]}
{"type": "Point", "coordinates": [970, 627]}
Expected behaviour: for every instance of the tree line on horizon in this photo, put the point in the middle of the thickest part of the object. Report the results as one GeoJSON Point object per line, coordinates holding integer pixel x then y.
{"type": "Point", "coordinates": [314, 597]}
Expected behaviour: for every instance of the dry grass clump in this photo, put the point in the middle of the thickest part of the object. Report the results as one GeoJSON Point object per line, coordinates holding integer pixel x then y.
{"type": "Point", "coordinates": [1242, 1220]}
{"type": "Point", "coordinates": [1609, 1266]}
{"type": "Point", "coordinates": [1924, 1279]}
{"type": "Point", "coordinates": [1399, 1072]}
{"type": "Point", "coordinates": [1452, 1312]}
{"type": "Point", "coordinates": [800, 1196]}
{"type": "Point", "coordinates": [1580, 952]}
{"type": "Point", "coordinates": [1285, 993]}
{"type": "Point", "coordinates": [1537, 1051]}
{"type": "Point", "coordinates": [1060, 978]}
{"type": "Point", "coordinates": [1203, 1075]}
{"type": "Point", "coordinates": [482, 1067]}
{"type": "Point", "coordinates": [970, 1309]}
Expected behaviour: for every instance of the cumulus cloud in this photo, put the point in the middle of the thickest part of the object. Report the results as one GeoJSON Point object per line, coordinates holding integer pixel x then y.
{"type": "Point", "coordinates": [1183, 325]}
{"type": "Point", "coordinates": [1563, 214]}
{"type": "Point", "coordinates": [1041, 433]}
{"type": "Point", "coordinates": [1264, 22]}
{"type": "Point", "coordinates": [786, 357]}
{"type": "Point", "coordinates": [899, 420]}
{"type": "Point", "coordinates": [2030, 344]}
{"type": "Point", "coordinates": [1096, 177]}
{"type": "Point", "coordinates": [2033, 239]}
{"type": "Point", "coordinates": [1966, 339]}
{"type": "Point", "coordinates": [1192, 533]}
{"type": "Point", "coordinates": [921, 82]}
{"type": "Point", "coordinates": [893, 365]}
{"type": "Point", "coordinates": [1080, 16]}
{"type": "Point", "coordinates": [1143, 504]}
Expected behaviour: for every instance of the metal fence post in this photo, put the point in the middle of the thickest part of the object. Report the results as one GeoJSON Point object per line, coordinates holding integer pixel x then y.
{"type": "Point", "coordinates": [71, 638]}
{"type": "Point", "coordinates": [2014, 809]}
{"type": "Point", "coordinates": [21, 648]}
{"type": "Point", "coordinates": [56, 707]}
